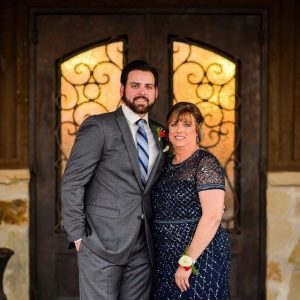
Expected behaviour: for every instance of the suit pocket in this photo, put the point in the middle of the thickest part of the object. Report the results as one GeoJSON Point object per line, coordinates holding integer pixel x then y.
{"type": "Point", "coordinates": [103, 211]}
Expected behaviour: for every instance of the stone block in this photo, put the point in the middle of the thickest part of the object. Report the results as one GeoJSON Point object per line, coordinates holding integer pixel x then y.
{"type": "Point", "coordinates": [297, 205]}
{"type": "Point", "coordinates": [14, 212]}
{"type": "Point", "coordinates": [295, 256]}
{"type": "Point", "coordinates": [280, 234]}
{"type": "Point", "coordinates": [283, 179]}
{"type": "Point", "coordinates": [278, 202]}
{"type": "Point", "coordinates": [274, 271]}
{"type": "Point", "coordinates": [12, 176]}
{"type": "Point", "coordinates": [294, 290]}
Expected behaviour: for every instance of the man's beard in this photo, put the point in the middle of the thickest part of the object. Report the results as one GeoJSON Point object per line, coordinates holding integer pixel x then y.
{"type": "Point", "coordinates": [135, 107]}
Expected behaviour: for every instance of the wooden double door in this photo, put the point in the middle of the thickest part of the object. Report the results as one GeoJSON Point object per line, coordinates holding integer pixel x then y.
{"type": "Point", "coordinates": [148, 35]}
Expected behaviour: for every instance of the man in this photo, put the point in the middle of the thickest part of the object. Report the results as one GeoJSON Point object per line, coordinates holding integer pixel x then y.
{"type": "Point", "coordinates": [106, 192]}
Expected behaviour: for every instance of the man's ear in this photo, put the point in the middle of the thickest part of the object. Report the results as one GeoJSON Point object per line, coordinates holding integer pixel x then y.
{"type": "Point", "coordinates": [156, 92]}
{"type": "Point", "coordinates": [122, 88]}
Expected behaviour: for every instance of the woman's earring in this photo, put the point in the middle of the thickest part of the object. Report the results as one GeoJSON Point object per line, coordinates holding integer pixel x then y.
{"type": "Point", "coordinates": [197, 139]}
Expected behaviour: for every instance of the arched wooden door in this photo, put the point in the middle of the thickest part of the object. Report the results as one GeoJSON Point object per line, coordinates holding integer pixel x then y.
{"type": "Point", "coordinates": [154, 36]}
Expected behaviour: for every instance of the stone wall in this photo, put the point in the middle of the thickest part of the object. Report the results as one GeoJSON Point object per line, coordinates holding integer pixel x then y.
{"type": "Point", "coordinates": [14, 208]}
{"type": "Point", "coordinates": [283, 236]}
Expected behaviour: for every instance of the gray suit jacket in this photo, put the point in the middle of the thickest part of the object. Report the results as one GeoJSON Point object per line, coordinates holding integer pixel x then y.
{"type": "Point", "coordinates": [102, 195]}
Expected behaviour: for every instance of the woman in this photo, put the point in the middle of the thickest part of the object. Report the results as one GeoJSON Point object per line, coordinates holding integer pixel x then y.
{"type": "Point", "coordinates": [192, 249]}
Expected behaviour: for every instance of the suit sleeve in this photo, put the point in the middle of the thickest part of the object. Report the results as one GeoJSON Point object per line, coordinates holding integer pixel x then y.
{"type": "Point", "coordinates": [84, 157]}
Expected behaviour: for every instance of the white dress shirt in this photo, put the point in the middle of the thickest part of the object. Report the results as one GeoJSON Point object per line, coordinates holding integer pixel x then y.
{"type": "Point", "coordinates": [132, 117]}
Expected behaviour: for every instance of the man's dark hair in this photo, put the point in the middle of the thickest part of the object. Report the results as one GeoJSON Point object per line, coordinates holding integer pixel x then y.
{"type": "Point", "coordinates": [138, 65]}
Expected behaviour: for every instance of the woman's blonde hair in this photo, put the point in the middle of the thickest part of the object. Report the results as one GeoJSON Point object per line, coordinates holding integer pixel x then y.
{"type": "Point", "coordinates": [186, 108]}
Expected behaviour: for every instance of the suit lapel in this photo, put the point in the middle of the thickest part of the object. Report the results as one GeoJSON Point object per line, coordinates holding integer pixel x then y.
{"type": "Point", "coordinates": [157, 160]}
{"type": "Point", "coordinates": [129, 143]}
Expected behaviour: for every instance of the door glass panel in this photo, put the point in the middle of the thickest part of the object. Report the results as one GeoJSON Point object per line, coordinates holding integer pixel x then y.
{"type": "Point", "coordinates": [208, 79]}
{"type": "Point", "coordinates": [90, 84]}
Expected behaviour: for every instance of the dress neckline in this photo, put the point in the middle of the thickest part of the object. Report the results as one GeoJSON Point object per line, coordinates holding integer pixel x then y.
{"type": "Point", "coordinates": [184, 161]}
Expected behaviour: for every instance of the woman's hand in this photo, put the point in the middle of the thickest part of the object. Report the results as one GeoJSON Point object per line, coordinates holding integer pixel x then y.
{"type": "Point", "coordinates": [182, 278]}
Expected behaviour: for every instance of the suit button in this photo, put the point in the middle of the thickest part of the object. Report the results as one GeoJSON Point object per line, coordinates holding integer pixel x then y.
{"type": "Point", "coordinates": [141, 217]}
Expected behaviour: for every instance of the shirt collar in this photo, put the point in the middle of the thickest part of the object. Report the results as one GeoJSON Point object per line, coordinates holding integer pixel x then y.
{"type": "Point", "coordinates": [131, 116]}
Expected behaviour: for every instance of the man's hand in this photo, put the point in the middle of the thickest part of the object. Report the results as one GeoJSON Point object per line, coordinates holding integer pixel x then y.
{"type": "Point", "coordinates": [77, 245]}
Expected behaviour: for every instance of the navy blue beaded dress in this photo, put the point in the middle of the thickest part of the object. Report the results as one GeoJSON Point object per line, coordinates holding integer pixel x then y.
{"type": "Point", "coordinates": [177, 211]}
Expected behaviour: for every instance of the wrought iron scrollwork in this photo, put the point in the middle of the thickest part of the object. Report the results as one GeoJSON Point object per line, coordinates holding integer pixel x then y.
{"type": "Point", "coordinates": [207, 78]}
{"type": "Point", "coordinates": [89, 85]}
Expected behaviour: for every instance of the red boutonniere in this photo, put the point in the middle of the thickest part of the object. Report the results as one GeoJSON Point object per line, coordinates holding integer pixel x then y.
{"type": "Point", "coordinates": [161, 133]}
{"type": "Point", "coordinates": [162, 137]}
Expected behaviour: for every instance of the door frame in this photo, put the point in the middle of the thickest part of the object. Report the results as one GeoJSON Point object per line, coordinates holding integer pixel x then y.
{"type": "Point", "coordinates": [34, 12]}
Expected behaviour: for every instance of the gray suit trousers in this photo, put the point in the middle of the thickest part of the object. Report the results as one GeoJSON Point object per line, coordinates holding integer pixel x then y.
{"type": "Point", "coordinates": [102, 280]}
